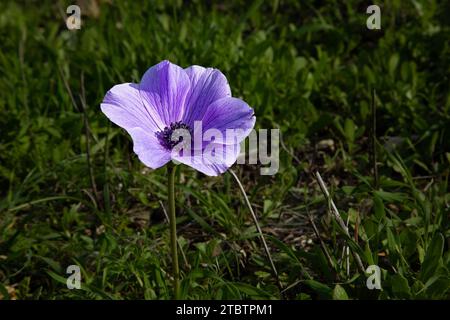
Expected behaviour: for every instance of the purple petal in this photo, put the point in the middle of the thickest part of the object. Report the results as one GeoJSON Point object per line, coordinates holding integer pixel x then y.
{"type": "Point", "coordinates": [148, 148]}
{"type": "Point", "coordinates": [229, 114]}
{"type": "Point", "coordinates": [123, 106]}
{"type": "Point", "coordinates": [165, 87]}
{"type": "Point", "coordinates": [207, 86]}
{"type": "Point", "coordinates": [207, 164]}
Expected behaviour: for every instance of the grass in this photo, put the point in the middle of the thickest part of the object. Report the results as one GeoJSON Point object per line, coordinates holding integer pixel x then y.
{"type": "Point", "coordinates": [73, 192]}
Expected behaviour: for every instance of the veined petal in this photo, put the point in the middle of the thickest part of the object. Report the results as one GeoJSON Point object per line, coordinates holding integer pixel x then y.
{"type": "Point", "coordinates": [209, 164]}
{"type": "Point", "coordinates": [229, 116]}
{"type": "Point", "coordinates": [124, 106]}
{"type": "Point", "coordinates": [165, 87]}
{"type": "Point", "coordinates": [207, 86]}
{"type": "Point", "coordinates": [148, 148]}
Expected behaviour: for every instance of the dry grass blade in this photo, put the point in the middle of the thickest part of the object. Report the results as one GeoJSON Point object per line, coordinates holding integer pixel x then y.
{"type": "Point", "coordinates": [322, 243]}
{"type": "Point", "coordinates": [255, 220]}
{"type": "Point", "coordinates": [338, 217]}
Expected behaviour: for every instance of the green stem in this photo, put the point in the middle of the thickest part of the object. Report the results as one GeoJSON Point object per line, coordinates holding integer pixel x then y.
{"type": "Point", "coordinates": [173, 231]}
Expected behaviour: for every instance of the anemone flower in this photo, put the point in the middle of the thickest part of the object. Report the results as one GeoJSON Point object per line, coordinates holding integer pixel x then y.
{"type": "Point", "coordinates": [170, 98]}
{"type": "Point", "coordinates": [187, 115]}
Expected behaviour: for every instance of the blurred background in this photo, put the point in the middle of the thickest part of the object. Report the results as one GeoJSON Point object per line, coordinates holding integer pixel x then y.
{"type": "Point", "coordinates": [72, 192]}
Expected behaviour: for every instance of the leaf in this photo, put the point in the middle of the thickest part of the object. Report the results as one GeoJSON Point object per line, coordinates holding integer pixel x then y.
{"type": "Point", "coordinates": [400, 286]}
{"type": "Point", "coordinates": [437, 286]}
{"type": "Point", "coordinates": [268, 205]}
{"type": "Point", "coordinates": [290, 252]}
{"type": "Point", "coordinates": [392, 242]}
{"type": "Point", "coordinates": [201, 221]}
{"type": "Point", "coordinates": [143, 198]}
{"type": "Point", "coordinates": [349, 129]}
{"type": "Point", "coordinates": [57, 277]}
{"type": "Point", "coordinates": [433, 257]}
{"type": "Point", "coordinates": [339, 293]}
{"type": "Point", "coordinates": [52, 263]}
{"type": "Point", "coordinates": [378, 207]}
{"type": "Point", "coordinates": [323, 290]}
{"type": "Point", "coordinates": [308, 84]}
{"type": "Point", "coordinates": [390, 196]}
{"type": "Point", "coordinates": [393, 62]}
{"type": "Point", "coordinates": [251, 290]}
{"type": "Point", "coordinates": [299, 63]}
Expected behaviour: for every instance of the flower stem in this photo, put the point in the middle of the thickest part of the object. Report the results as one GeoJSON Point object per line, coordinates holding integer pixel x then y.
{"type": "Point", "coordinates": [173, 231]}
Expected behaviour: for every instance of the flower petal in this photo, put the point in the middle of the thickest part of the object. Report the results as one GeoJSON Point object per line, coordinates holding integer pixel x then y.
{"type": "Point", "coordinates": [207, 163]}
{"type": "Point", "coordinates": [165, 87]}
{"type": "Point", "coordinates": [207, 86]}
{"type": "Point", "coordinates": [229, 114]}
{"type": "Point", "coordinates": [148, 148]}
{"type": "Point", "coordinates": [123, 105]}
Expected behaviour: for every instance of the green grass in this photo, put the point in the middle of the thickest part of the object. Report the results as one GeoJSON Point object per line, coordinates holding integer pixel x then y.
{"type": "Point", "coordinates": [308, 68]}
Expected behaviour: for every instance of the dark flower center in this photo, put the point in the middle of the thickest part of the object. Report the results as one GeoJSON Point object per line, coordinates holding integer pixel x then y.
{"type": "Point", "coordinates": [165, 136]}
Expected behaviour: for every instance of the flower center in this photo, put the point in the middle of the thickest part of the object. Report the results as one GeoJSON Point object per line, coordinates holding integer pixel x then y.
{"type": "Point", "coordinates": [165, 136]}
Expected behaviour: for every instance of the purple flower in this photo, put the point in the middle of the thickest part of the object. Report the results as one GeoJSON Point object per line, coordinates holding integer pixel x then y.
{"type": "Point", "coordinates": [195, 101]}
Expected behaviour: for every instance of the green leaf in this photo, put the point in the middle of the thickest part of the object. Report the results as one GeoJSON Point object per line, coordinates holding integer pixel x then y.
{"type": "Point", "coordinates": [378, 207]}
{"type": "Point", "coordinates": [349, 129]}
{"type": "Point", "coordinates": [433, 257]}
{"type": "Point", "coordinates": [438, 286]}
{"type": "Point", "coordinates": [268, 206]}
{"type": "Point", "coordinates": [393, 62]}
{"type": "Point", "coordinates": [339, 293]}
{"type": "Point", "coordinates": [251, 290]}
{"type": "Point", "coordinates": [201, 222]}
{"type": "Point", "coordinates": [392, 242]}
{"type": "Point", "coordinates": [290, 252]}
{"type": "Point", "coordinates": [390, 196]}
{"type": "Point", "coordinates": [400, 287]}
{"type": "Point", "coordinates": [52, 263]}
{"type": "Point", "coordinates": [323, 290]}
{"type": "Point", "coordinates": [57, 277]}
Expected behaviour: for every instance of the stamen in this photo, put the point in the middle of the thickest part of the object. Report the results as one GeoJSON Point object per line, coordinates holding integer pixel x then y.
{"type": "Point", "coordinates": [165, 136]}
